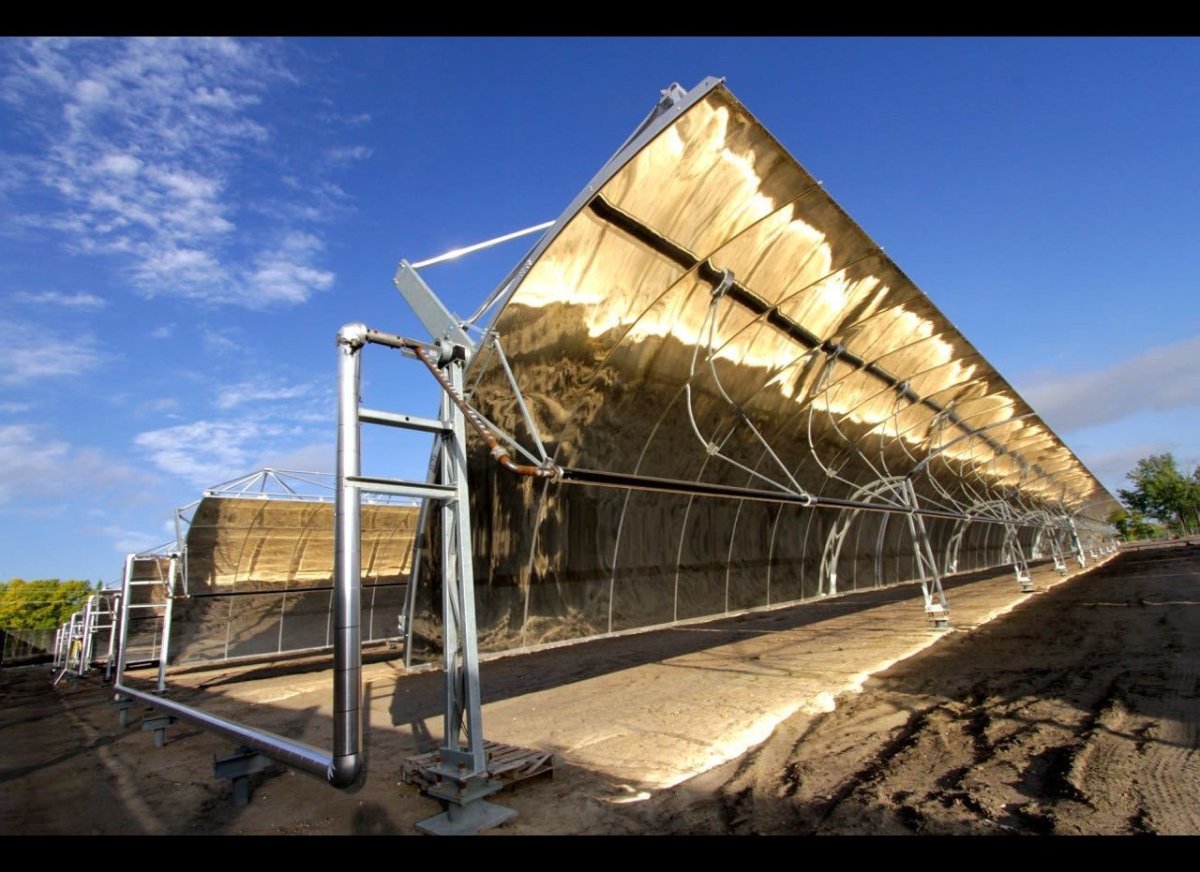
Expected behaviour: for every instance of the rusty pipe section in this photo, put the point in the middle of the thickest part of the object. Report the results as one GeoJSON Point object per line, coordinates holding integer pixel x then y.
{"type": "Point", "coordinates": [357, 335]}
{"type": "Point", "coordinates": [499, 452]}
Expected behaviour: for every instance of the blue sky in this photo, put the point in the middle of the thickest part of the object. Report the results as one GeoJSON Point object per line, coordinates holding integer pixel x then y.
{"type": "Point", "coordinates": [186, 224]}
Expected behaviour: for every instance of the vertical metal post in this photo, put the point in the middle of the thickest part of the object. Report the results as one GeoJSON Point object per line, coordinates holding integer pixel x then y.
{"type": "Point", "coordinates": [414, 579]}
{"type": "Point", "coordinates": [89, 621]}
{"type": "Point", "coordinates": [1060, 565]}
{"type": "Point", "coordinates": [165, 651]}
{"type": "Point", "coordinates": [347, 665]}
{"type": "Point", "coordinates": [1020, 566]}
{"type": "Point", "coordinates": [879, 543]}
{"type": "Point", "coordinates": [462, 773]}
{"type": "Point", "coordinates": [124, 640]}
{"type": "Point", "coordinates": [77, 619]}
{"type": "Point", "coordinates": [460, 583]}
{"type": "Point", "coordinates": [89, 628]}
{"type": "Point", "coordinates": [112, 633]}
{"type": "Point", "coordinates": [931, 584]}
{"type": "Point", "coordinates": [1076, 544]}
{"type": "Point", "coordinates": [451, 671]}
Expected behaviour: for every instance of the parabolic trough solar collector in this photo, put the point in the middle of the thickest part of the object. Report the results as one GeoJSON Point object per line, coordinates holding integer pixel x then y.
{"type": "Point", "coordinates": [706, 312]}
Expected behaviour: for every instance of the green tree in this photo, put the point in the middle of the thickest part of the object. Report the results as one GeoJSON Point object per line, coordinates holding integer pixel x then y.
{"type": "Point", "coordinates": [47, 602]}
{"type": "Point", "coordinates": [1162, 491]}
{"type": "Point", "coordinates": [1133, 525]}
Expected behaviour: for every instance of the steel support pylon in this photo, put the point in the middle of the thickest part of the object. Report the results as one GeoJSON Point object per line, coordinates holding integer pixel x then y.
{"type": "Point", "coordinates": [459, 773]}
{"type": "Point", "coordinates": [1076, 544]}
{"type": "Point", "coordinates": [936, 609]}
{"type": "Point", "coordinates": [1060, 562]}
{"type": "Point", "coordinates": [462, 779]}
{"type": "Point", "coordinates": [1016, 552]}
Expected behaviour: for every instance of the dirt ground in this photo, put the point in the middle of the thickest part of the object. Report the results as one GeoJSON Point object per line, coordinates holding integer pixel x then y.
{"type": "Point", "coordinates": [1072, 710]}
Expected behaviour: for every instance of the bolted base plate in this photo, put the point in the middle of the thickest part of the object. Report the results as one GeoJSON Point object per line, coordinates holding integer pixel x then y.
{"type": "Point", "coordinates": [466, 820]}
{"type": "Point", "coordinates": [938, 616]}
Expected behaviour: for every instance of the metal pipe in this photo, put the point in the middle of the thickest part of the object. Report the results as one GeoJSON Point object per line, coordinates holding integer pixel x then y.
{"type": "Point", "coordinates": [347, 654]}
{"type": "Point", "coordinates": [121, 652]}
{"type": "Point", "coordinates": [572, 475]}
{"type": "Point", "coordinates": [164, 651]}
{"type": "Point", "coordinates": [499, 452]}
{"type": "Point", "coordinates": [342, 767]}
{"type": "Point", "coordinates": [289, 751]}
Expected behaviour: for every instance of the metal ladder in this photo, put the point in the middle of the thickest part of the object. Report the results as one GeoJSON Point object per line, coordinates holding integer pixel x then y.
{"type": "Point", "coordinates": [130, 600]}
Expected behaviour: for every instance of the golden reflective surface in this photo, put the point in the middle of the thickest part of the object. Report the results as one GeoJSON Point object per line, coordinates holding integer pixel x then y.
{"type": "Point", "coordinates": [244, 544]}
{"type": "Point", "coordinates": [252, 564]}
{"type": "Point", "coordinates": [629, 362]}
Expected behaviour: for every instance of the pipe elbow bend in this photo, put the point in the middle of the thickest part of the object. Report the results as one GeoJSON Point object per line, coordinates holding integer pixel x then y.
{"type": "Point", "coordinates": [353, 335]}
{"type": "Point", "coordinates": [344, 771]}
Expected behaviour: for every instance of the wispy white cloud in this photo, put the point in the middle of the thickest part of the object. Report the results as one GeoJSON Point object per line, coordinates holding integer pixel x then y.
{"type": "Point", "coordinates": [160, 406]}
{"type": "Point", "coordinates": [162, 332]}
{"type": "Point", "coordinates": [31, 352]}
{"type": "Point", "coordinates": [206, 453]}
{"type": "Point", "coordinates": [220, 342]}
{"type": "Point", "coordinates": [285, 274]}
{"type": "Point", "coordinates": [15, 408]}
{"type": "Point", "coordinates": [1161, 379]}
{"type": "Point", "coordinates": [33, 466]}
{"type": "Point", "coordinates": [349, 153]}
{"type": "Point", "coordinates": [140, 142]}
{"type": "Point", "coordinates": [263, 421]}
{"type": "Point", "coordinates": [345, 118]}
{"type": "Point", "coordinates": [319, 202]}
{"type": "Point", "coordinates": [127, 541]}
{"type": "Point", "coordinates": [60, 300]}
{"type": "Point", "coordinates": [258, 391]}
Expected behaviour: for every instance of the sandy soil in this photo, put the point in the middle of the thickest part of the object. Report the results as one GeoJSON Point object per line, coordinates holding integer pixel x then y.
{"type": "Point", "coordinates": [1074, 710]}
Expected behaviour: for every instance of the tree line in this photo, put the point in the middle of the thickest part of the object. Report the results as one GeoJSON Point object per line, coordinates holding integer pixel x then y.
{"type": "Point", "coordinates": [43, 602]}
{"type": "Point", "coordinates": [1164, 500]}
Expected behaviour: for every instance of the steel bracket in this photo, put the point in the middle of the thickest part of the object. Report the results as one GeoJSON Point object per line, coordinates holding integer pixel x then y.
{"type": "Point", "coordinates": [430, 309]}
{"type": "Point", "coordinates": [466, 814]}
{"type": "Point", "coordinates": [122, 706]}
{"type": "Point", "coordinates": [159, 724]}
{"type": "Point", "coordinates": [238, 767]}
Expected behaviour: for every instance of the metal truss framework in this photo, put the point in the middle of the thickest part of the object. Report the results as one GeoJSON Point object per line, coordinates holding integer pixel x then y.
{"type": "Point", "coordinates": [704, 322]}
{"type": "Point", "coordinates": [78, 641]}
{"type": "Point", "coordinates": [886, 412]}
{"type": "Point", "coordinates": [154, 581]}
{"type": "Point", "coordinates": [459, 774]}
{"type": "Point", "coordinates": [257, 564]}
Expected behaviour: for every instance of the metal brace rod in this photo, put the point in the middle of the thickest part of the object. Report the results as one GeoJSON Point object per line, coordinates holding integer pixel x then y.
{"type": "Point", "coordinates": [533, 430]}
{"type": "Point", "coordinates": [479, 246]}
{"type": "Point", "coordinates": [342, 765]}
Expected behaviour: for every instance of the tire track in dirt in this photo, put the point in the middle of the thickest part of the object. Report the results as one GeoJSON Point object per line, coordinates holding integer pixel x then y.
{"type": "Point", "coordinates": [1070, 715]}
{"type": "Point", "coordinates": [1170, 766]}
{"type": "Point", "coordinates": [123, 782]}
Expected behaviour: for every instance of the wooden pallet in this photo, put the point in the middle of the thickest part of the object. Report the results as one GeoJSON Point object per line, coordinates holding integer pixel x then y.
{"type": "Point", "coordinates": [507, 763]}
